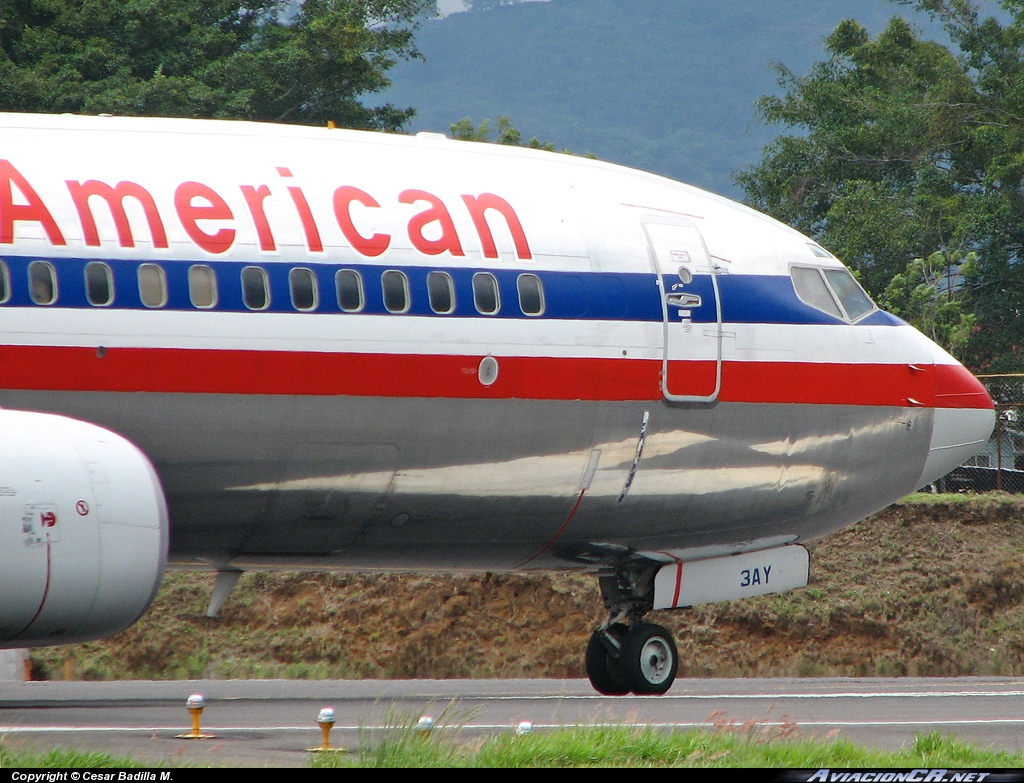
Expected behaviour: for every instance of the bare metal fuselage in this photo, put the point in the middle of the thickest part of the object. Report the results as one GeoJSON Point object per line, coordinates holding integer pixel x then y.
{"type": "Point", "coordinates": [489, 484]}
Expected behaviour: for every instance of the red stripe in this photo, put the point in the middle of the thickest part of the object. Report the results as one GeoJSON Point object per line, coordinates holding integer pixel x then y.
{"type": "Point", "coordinates": [679, 584]}
{"type": "Point", "coordinates": [955, 387]}
{"type": "Point", "coordinates": [831, 384]}
{"type": "Point", "coordinates": [416, 375]}
{"type": "Point", "coordinates": [305, 373]}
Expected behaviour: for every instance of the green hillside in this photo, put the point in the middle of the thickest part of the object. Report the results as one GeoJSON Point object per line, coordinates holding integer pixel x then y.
{"type": "Point", "coordinates": [663, 85]}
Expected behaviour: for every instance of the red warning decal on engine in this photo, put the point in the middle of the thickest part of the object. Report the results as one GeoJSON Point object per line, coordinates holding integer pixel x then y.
{"type": "Point", "coordinates": [39, 524]}
{"type": "Point", "coordinates": [82, 508]}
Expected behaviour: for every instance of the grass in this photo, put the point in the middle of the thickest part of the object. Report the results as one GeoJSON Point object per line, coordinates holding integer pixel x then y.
{"type": "Point", "coordinates": [958, 498]}
{"type": "Point", "coordinates": [753, 745]}
{"type": "Point", "coordinates": [750, 745]}
{"type": "Point", "coordinates": [66, 758]}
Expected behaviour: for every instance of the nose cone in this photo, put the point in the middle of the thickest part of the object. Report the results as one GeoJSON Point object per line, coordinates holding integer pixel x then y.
{"type": "Point", "coordinates": [963, 422]}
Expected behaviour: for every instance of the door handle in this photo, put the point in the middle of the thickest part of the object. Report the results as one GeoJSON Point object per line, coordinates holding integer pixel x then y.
{"type": "Point", "coordinates": [684, 300]}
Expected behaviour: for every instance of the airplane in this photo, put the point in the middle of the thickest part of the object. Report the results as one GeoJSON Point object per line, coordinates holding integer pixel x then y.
{"type": "Point", "coordinates": [230, 345]}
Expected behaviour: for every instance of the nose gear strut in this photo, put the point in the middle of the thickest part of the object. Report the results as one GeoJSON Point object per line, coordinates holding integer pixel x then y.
{"type": "Point", "coordinates": [626, 654]}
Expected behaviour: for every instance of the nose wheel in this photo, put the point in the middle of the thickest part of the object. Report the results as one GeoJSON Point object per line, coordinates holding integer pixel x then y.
{"type": "Point", "coordinates": [648, 660]}
{"type": "Point", "coordinates": [641, 659]}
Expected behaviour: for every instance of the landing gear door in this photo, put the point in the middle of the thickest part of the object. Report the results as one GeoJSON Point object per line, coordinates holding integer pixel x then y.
{"type": "Point", "coordinates": [691, 310]}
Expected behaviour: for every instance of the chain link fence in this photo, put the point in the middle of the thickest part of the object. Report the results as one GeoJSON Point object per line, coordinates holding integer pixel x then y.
{"type": "Point", "coordinates": [1000, 464]}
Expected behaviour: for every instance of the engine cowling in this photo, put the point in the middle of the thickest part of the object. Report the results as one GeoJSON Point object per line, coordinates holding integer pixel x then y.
{"type": "Point", "coordinates": [83, 531]}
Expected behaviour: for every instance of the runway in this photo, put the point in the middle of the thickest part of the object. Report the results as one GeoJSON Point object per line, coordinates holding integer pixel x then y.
{"type": "Point", "coordinates": [272, 722]}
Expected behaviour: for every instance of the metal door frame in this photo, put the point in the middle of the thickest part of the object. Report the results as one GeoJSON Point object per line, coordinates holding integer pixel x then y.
{"type": "Point", "coordinates": [664, 292]}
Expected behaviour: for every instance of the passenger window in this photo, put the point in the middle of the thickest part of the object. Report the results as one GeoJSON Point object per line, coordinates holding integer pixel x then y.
{"type": "Point", "coordinates": [99, 284]}
{"type": "Point", "coordinates": [202, 286]}
{"type": "Point", "coordinates": [5, 282]}
{"type": "Point", "coordinates": [152, 285]}
{"type": "Point", "coordinates": [302, 283]}
{"type": "Point", "coordinates": [42, 282]}
{"type": "Point", "coordinates": [485, 293]}
{"type": "Point", "coordinates": [441, 292]}
{"type": "Point", "coordinates": [255, 288]}
{"type": "Point", "coordinates": [811, 288]}
{"type": "Point", "coordinates": [531, 294]}
{"type": "Point", "coordinates": [350, 290]}
{"type": "Point", "coordinates": [396, 291]}
{"type": "Point", "coordinates": [851, 295]}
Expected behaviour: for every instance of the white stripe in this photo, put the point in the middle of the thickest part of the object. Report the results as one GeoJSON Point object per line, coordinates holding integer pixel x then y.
{"type": "Point", "coordinates": [780, 696]}
{"type": "Point", "coordinates": [325, 332]}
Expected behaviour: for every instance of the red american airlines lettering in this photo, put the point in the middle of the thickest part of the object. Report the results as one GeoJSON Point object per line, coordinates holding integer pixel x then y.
{"type": "Point", "coordinates": [195, 202]}
{"type": "Point", "coordinates": [234, 346]}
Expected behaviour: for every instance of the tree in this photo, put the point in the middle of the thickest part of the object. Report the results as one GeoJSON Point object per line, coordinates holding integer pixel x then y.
{"type": "Point", "coordinates": [507, 133]}
{"type": "Point", "coordinates": [871, 176]}
{"type": "Point", "coordinates": [251, 59]}
{"type": "Point", "coordinates": [929, 294]}
{"type": "Point", "coordinates": [907, 148]}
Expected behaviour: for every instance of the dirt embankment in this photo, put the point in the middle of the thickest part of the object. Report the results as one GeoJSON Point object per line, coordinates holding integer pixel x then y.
{"type": "Point", "coordinates": [919, 589]}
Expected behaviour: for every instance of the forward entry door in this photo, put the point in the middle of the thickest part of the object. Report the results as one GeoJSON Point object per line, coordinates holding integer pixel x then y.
{"type": "Point", "coordinates": [691, 310]}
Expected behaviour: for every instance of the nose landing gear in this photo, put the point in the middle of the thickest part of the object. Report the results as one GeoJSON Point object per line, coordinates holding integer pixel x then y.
{"type": "Point", "coordinates": [634, 656]}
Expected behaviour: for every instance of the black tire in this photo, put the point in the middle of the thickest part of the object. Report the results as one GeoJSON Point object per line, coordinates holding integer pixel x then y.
{"type": "Point", "coordinates": [603, 663]}
{"type": "Point", "coordinates": [648, 661]}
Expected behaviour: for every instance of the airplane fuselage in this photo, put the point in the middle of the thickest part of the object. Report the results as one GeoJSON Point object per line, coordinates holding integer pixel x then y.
{"type": "Point", "coordinates": [358, 351]}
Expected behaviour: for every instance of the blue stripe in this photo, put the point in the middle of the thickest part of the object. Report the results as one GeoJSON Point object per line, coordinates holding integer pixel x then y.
{"type": "Point", "coordinates": [570, 296]}
{"type": "Point", "coordinates": [758, 299]}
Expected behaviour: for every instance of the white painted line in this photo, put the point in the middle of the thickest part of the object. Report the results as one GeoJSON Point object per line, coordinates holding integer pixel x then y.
{"type": "Point", "coordinates": [734, 696]}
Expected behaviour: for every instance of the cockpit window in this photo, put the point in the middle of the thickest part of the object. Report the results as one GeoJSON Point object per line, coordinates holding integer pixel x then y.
{"type": "Point", "coordinates": [851, 295]}
{"type": "Point", "coordinates": [811, 288]}
{"type": "Point", "coordinates": [818, 250]}
{"type": "Point", "coordinates": [833, 291]}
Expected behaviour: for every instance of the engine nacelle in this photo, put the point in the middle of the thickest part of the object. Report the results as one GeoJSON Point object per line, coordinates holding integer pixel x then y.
{"type": "Point", "coordinates": [83, 531]}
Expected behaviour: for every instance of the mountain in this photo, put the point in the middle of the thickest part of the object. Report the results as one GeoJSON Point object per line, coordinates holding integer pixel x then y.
{"type": "Point", "coordinates": [662, 85]}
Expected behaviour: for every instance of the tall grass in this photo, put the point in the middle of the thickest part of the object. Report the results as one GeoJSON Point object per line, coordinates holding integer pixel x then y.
{"type": "Point", "coordinates": [400, 744]}
{"type": "Point", "coordinates": [65, 758]}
